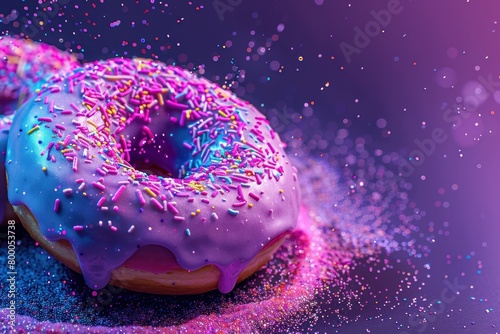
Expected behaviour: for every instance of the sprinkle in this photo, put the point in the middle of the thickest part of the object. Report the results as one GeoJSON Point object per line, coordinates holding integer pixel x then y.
{"type": "Point", "coordinates": [98, 186]}
{"type": "Point", "coordinates": [33, 129]}
{"type": "Point", "coordinates": [179, 218]}
{"type": "Point", "coordinates": [140, 197]}
{"type": "Point", "coordinates": [118, 193]}
{"type": "Point", "coordinates": [214, 216]}
{"type": "Point", "coordinates": [156, 203]}
{"type": "Point", "coordinates": [233, 212]}
{"type": "Point", "coordinates": [240, 204]}
{"type": "Point", "coordinates": [188, 232]}
{"type": "Point", "coordinates": [172, 208]}
{"type": "Point", "coordinates": [57, 205]}
{"type": "Point", "coordinates": [101, 201]}
{"type": "Point", "coordinates": [68, 192]}
{"type": "Point", "coordinates": [149, 191]}
{"type": "Point", "coordinates": [240, 193]}
{"type": "Point", "coordinates": [78, 228]}
{"type": "Point", "coordinates": [131, 229]}
{"type": "Point", "coordinates": [113, 228]}
{"type": "Point", "coordinates": [75, 164]}
{"type": "Point", "coordinates": [81, 186]}
{"type": "Point", "coordinates": [255, 197]}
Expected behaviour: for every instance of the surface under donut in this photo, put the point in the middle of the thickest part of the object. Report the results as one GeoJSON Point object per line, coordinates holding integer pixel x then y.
{"type": "Point", "coordinates": [23, 67]}
{"type": "Point", "coordinates": [81, 159]}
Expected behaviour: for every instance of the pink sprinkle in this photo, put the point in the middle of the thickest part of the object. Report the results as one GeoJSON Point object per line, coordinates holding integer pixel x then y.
{"type": "Point", "coordinates": [239, 204]}
{"type": "Point", "coordinates": [271, 147]}
{"type": "Point", "coordinates": [241, 197]}
{"type": "Point", "coordinates": [258, 178]}
{"type": "Point", "coordinates": [179, 218]}
{"type": "Point", "coordinates": [156, 203]}
{"type": "Point", "coordinates": [101, 171]}
{"type": "Point", "coordinates": [75, 164]}
{"type": "Point", "coordinates": [57, 204]}
{"type": "Point", "coordinates": [255, 197]}
{"type": "Point", "coordinates": [118, 193]}
{"type": "Point", "coordinates": [204, 200]}
{"type": "Point", "coordinates": [101, 201]}
{"type": "Point", "coordinates": [45, 119]}
{"type": "Point", "coordinates": [148, 132]}
{"type": "Point", "coordinates": [172, 208]}
{"type": "Point", "coordinates": [99, 186]}
{"type": "Point", "coordinates": [140, 197]}
{"type": "Point", "coordinates": [67, 140]}
{"type": "Point", "coordinates": [78, 228]}
{"type": "Point", "coordinates": [113, 228]}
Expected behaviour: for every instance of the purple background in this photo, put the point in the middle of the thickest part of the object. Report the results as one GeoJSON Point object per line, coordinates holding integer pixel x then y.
{"type": "Point", "coordinates": [408, 75]}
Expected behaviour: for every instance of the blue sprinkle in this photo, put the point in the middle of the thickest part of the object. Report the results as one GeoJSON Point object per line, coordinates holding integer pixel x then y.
{"type": "Point", "coordinates": [233, 212]}
{"type": "Point", "coordinates": [188, 232]}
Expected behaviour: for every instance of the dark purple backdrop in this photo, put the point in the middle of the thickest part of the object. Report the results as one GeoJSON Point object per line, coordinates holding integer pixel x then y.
{"type": "Point", "coordinates": [431, 58]}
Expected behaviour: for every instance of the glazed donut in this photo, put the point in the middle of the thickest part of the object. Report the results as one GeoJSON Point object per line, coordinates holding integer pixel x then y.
{"type": "Point", "coordinates": [23, 66]}
{"type": "Point", "coordinates": [142, 174]}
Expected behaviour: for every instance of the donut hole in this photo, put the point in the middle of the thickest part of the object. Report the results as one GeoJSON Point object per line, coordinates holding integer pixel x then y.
{"type": "Point", "coordinates": [164, 154]}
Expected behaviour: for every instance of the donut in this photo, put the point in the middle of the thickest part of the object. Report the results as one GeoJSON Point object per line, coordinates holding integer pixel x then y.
{"type": "Point", "coordinates": [145, 176]}
{"type": "Point", "coordinates": [23, 65]}
{"type": "Point", "coordinates": [5, 208]}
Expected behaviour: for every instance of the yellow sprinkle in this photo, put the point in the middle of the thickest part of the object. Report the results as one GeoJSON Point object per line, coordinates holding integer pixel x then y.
{"type": "Point", "coordinates": [198, 210]}
{"type": "Point", "coordinates": [250, 205]}
{"type": "Point", "coordinates": [149, 191]}
{"type": "Point", "coordinates": [222, 113]}
{"type": "Point", "coordinates": [213, 207]}
{"type": "Point", "coordinates": [193, 214]}
{"type": "Point", "coordinates": [33, 129]}
{"type": "Point", "coordinates": [281, 191]}
{"type": "Point", "coordinates": [160, 99]}
{"type": "Point", "coordinates": [44, 168]}
{"type": "Point", "coordinates": [91, 123]}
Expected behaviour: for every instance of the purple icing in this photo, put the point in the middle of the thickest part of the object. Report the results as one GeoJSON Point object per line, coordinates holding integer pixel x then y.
{"type": "Point", "coordinates": [226, 186]}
